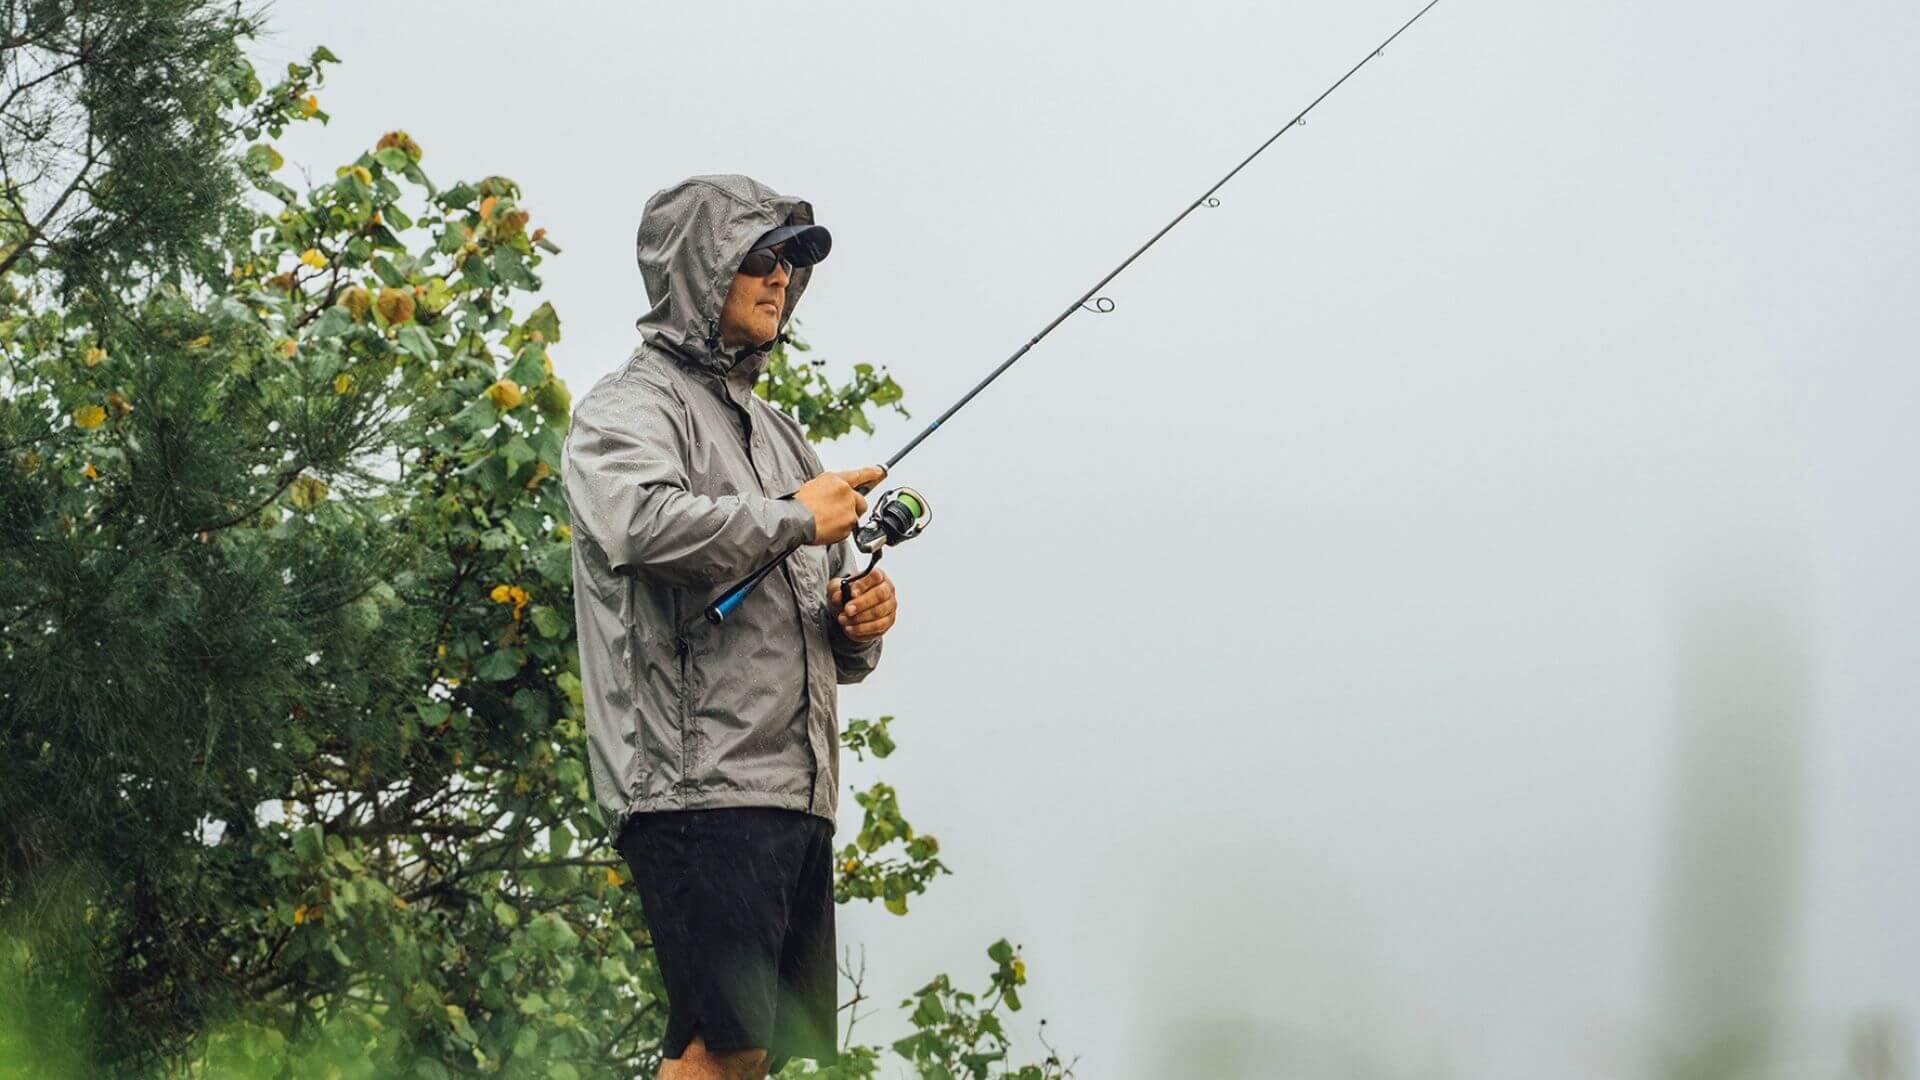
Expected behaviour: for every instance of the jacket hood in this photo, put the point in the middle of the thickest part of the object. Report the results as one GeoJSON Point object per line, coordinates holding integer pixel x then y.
{"type": "Point", "coordinates": [691, 239]}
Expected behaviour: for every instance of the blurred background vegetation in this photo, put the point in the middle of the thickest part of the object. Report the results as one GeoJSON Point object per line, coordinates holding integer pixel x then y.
{"type": "Point", "coordinates": [291, 773]}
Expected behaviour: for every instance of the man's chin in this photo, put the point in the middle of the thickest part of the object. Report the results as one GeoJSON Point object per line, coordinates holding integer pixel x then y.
{"type": "Point", "coordinates": [751, 335]}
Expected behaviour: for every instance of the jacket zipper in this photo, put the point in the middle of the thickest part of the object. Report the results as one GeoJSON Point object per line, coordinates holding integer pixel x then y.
{"type": "Point", "coordinates": [793, 587]}
{"type": "Point", "coordinates": [683, 649]}
{"type": "Point", "coordinates": [686, 713]}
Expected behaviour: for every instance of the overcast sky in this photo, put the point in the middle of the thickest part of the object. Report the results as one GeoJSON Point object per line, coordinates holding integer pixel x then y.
{"type": "Point", "coordinates": [1454, 618]}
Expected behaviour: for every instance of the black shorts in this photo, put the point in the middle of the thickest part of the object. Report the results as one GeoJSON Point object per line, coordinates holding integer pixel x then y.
{"type": "Point", "coordinates": [739, 901]}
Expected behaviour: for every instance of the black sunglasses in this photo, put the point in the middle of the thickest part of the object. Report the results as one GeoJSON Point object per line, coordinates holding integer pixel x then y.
{"type": "Point", "coordinates": [760, 261]}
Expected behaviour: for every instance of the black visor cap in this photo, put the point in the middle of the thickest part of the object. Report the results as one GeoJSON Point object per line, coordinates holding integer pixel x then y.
{"type": "Point", "coordinates": [806, 244]}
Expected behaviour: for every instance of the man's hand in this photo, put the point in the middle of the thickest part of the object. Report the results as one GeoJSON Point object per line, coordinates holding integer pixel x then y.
{"type": "Point", "coordinates": [870, 613]}
{"type": "Point", "coordinates": [835, 504]}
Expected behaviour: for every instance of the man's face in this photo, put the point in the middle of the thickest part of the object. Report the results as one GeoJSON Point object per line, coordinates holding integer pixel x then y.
{"type": "Point", "coordinates": [751, 315]}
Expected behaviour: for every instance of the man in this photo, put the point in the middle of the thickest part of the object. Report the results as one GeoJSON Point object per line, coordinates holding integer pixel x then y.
{"type": "Point", "coordinates": [715, 748]}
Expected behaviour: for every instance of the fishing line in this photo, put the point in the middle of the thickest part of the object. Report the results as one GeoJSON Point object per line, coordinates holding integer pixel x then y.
{"type": "Point", "coordinates": [883, 535]}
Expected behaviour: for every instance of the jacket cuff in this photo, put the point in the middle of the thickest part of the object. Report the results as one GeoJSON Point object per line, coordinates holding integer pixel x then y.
{"type": "Point", "coordinates": [852, 660]}
{"type": "Point", "coordinates": [795, 522]}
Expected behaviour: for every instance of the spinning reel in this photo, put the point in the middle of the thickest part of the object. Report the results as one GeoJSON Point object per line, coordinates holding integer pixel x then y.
{"type": "Point", "coordinates": [896, 517]}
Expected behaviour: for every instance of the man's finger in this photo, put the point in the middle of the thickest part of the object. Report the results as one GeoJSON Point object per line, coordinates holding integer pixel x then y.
{"type": "Point", "coordinates": [884, 610]}
{"type": "Point", "coordinates": [866, 585]}
{"type": "Point", "coordinates": [868, 621]}
{"type": "Point", "coordinates": [864, 477]}
{"type": "Point", "coordinates": [868, 627]}
{"type": "Point", "coordinates": [862, 603]}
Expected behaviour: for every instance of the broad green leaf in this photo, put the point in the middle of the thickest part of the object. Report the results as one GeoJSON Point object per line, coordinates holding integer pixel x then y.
{"type": "Point", "coordinates": [309, 843]}
{"type": "Point", "coordinates": [498, 666]}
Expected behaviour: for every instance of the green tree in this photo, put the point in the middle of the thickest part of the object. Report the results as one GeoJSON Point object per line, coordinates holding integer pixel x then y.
{"type": "Point", "coordinates": [291, 771]}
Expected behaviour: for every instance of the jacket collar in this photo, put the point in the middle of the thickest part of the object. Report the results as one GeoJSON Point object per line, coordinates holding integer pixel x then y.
{"type": "Point", "coordinates": [737, 369]}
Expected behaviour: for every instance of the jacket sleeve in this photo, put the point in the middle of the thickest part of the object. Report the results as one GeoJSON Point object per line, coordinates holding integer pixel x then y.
{"type": "Point", "coordinates": [627, 489]}
{"type": "Point", "coordinates": [852, 660]}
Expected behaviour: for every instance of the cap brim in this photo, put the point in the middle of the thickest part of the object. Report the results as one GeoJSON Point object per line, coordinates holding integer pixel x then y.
{"type": "Point", "coordinates": [806, 244]}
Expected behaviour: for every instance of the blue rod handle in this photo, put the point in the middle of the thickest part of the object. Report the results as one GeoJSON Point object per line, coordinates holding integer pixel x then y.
{"type": "Point", "coordinates": [718, 611]}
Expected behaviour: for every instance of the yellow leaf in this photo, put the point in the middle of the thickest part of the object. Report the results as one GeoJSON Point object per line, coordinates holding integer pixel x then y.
{"type": "Point", "coordinates": [1019, 971]}
{"type": "Point", "coordinates": [342, 383]}
{"type": "Point", "coordinates": [92, 473]}
{"type": "Point", "coordinates": [546, 362]}
{"type": "Point", "coordinates": [306, 491]}
{"type": "Point", "coordinates": [95, 355]}
{"type": "Point", "coordinates": [289, 347]}
{"type": "Point", "coordinates": [200, 342]}
{"type": "Point", "coordinates": [396, 305]}
{"type": "Point", "coordinates": [119, 404]}
{"type": "Point", "coordinates": [613, 877]}
{"type": "Point", "coordinates": [89, 416]}
{"type": "Point", "coordinates": [403, 141]}
{"type": "Point", "coordinates": [400, 903]}
{"type": "Point", "coordinates": [309, 105]}
{"type": "Point", "coordinates": [486, 207]}
{"type": "Point", "coordinates": [313, 258]}
{"type": "Point", "coordinates": [563, 531]}
{"type": "Point", "coordinates": [505, 394]}
{"type": "Point", "coordinates": [502, 594]}
{"type": "Point", "coordinates": [299, 914]}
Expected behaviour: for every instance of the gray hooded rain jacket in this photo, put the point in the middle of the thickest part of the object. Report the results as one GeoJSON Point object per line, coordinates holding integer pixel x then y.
{"type": "Point", "coordinates": [680, 482]}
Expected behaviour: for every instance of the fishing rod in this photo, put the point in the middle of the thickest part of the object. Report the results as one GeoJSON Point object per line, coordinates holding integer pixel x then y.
{"type": "Point", "coordinates": [903, 513]}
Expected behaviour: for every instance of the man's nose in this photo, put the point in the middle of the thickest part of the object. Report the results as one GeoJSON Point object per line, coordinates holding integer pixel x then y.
{"type": "Point", "coordinates": [779, 275]}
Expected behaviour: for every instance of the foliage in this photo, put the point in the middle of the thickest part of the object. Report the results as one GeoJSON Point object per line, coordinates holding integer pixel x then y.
{"type": "Point", "coordinates": [959, 1034]}
{"type": "Point", "coordinates": [826, 411]}
{"type": "Point", "coordinates": [955, 1032]}
{"type": "Point", "coordinates": [118, 118]}
{"type": "Point", "coordinates": [291, 774]}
